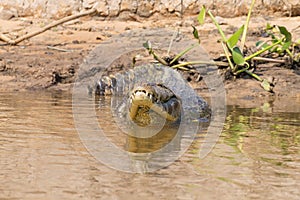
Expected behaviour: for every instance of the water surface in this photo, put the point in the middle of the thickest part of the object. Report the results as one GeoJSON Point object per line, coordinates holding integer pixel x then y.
{"type": "Point", "coordinates": [42, 157]}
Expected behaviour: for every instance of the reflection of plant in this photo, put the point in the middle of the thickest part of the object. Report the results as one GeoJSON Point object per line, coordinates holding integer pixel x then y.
{"type": "Point", "coordinates": [236, 60]}
{"type": "Point", "coordinates": [235, 129]}
{"type": "Point", "coordinates": [261, 123]}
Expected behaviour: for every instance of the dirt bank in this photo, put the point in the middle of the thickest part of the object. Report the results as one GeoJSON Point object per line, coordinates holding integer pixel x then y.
{"type": "Point", "coordinates": [50, 61]}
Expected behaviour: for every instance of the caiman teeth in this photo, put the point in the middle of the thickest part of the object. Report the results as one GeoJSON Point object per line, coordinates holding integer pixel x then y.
{"type": "Point", "coordinates": [151, 97]}
{"type": "Point", "coordinates": [141, 91]}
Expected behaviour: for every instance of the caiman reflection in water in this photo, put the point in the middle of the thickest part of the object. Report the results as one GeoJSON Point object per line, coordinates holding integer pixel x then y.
{"type": "Point", "coordinates": [155, 142]}
{"type": "Point", "coordinates": [149, 146]}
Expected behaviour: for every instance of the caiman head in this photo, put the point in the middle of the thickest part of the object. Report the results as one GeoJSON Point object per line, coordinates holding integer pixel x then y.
{"type": "Point", "coordinates": [152, 97]}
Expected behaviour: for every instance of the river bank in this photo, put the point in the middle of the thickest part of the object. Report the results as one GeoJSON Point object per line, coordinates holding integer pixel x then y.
{"type": "Point", "coordinates": [50, 60]}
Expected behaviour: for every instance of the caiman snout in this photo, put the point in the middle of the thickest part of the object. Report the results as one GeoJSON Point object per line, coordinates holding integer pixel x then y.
{"type": "Point", "coordinates": [153, 97]}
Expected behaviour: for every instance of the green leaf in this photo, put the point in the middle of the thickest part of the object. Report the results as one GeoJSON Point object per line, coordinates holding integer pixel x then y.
{"type": "Point", "coordinates": [258, 43]}
{"type": "Point", "coordinates": [195, 33]}
{"type": "Point", "coordinates": [237, 56]}
{"type": "Point", "coordinates": [266, 85]}
{"type": "Point", "coordinates": [286, 33]}
{"type": "Point", "coordinates": [269, 26]}
{"type": "Point", "coordinates": [286, 45]}
{"type": "Point", "coordinates": [201, 16]}
{"type": "Point", "coordinates": [147, 45]}
{"type": "Point", "coordinates": [233, 40]}
{"type": "Point", "coordinates": [261, 44]}
{"type": "Point", "coordinates": [182, 53]}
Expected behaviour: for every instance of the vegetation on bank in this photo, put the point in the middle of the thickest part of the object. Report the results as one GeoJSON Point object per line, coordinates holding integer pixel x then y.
{"type": "Point", "coordinates": [238, 59]}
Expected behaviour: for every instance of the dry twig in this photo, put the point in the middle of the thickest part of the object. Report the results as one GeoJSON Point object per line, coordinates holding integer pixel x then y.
{"type": "Point", "coordinates": [5, 38]}
{"type": "Point", "coordinates": [59, 49]}
{"type": "Point", "coordinates": [49, 26]}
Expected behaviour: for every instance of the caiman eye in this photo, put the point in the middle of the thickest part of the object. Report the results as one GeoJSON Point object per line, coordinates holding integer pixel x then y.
{"type": "Point", "coordinates": [113, 82]}
{"type": "Point", "coordinates": [154, 99]}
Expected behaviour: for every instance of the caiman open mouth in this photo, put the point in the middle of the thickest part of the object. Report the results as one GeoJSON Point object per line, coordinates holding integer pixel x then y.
{"type": "Point", "coordinates": [155, 97]}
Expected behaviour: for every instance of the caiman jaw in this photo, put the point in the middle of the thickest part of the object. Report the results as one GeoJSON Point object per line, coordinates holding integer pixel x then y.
{"type": "Point", "coordinates": [145, 98]}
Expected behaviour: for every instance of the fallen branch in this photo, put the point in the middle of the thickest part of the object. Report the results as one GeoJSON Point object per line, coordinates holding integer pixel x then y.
{"type": "Point", "coordinates": [49, 26]}
{"type": "Point", "coordinates": [5, 38]}
{"type": "Point", "coordinates": [218, 63]}
{"type": "Point", "coordinates": [268, 60]}
{"type": "Point", "coordinates": [59, 49]}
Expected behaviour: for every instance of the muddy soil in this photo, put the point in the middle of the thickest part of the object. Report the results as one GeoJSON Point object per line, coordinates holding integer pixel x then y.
{"type": "Point", "coordinates": [50, 61]}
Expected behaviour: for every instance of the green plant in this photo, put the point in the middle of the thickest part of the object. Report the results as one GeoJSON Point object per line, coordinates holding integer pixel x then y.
{"type": "Point", "coordinates": [281, 43]}
{"type": "Point", "coordinates": [237, 61]}
{"type": "Point", "coordinates": [287, 47]}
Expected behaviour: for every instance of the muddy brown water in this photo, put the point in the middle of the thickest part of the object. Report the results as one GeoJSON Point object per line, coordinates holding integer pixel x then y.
{"type": "Point", "coordinates": [42, 157]}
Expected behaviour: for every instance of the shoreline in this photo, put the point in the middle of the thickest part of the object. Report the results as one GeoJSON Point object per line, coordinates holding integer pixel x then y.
{"type": "Point", "coordinates": [50, 60]}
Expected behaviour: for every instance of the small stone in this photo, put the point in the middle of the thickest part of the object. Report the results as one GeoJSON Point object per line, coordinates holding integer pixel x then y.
{"type": "Point", "coordinates": [75, 42]}
{"type": "Point", "coordinates": [2, 65]}
{"type": "Point", "coordinates": [88, 4]}
{"type": "Point", "coordinates": [102, 8]}
{"type": "Point", "coordinates": [129, 5]}
{"type": "Point", "coordinates": [69, 33]}
{"type": "Point", "coordinates": [145, 9]}
{"type": "Point", "coordinates": [295, 10]}
{"type": "Point", "coordinates": [114, 8]}
{"type": "Point", "coordinates": [6, 14]}
{"type": "Point", "coordinates": [221, 20]}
